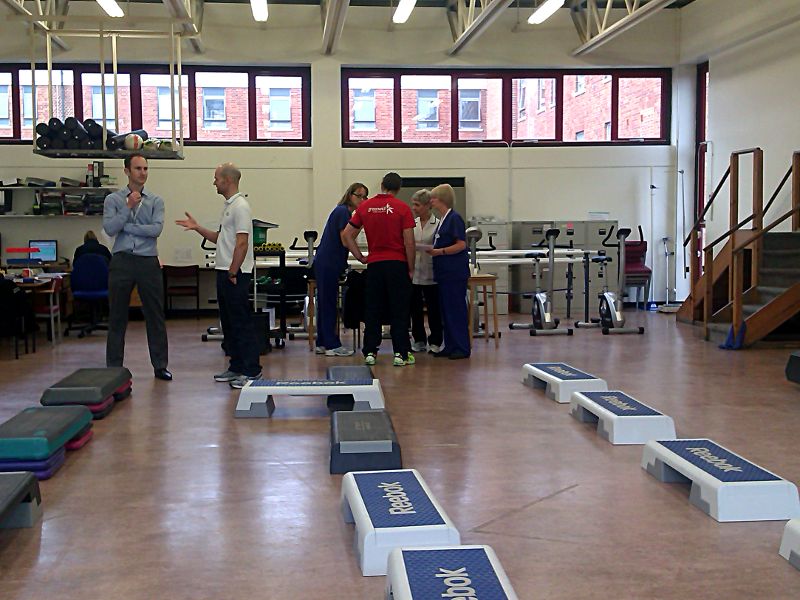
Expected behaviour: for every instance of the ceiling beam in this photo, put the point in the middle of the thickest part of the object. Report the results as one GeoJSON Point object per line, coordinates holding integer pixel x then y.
{"type": "Point", "coordinates": [193, 10]}
{"type": "Point", "coordinates": [333, 24]}
{"type": "Point", "coordinates": [479, 25]}
{"type": "Point", "coordinates": [16, 5]}
{"type": "Point", "coordinates": [637, 12]}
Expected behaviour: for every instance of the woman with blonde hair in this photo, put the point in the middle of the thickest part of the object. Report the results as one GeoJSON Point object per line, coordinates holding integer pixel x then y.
{"type": "Point", "coordinates": [451, 272]}
{"type": "Point", "coordinates": [329, 262]}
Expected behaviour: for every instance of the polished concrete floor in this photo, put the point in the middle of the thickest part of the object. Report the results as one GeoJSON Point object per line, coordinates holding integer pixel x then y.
{"type": "Point", "coordinates": [175, 499]}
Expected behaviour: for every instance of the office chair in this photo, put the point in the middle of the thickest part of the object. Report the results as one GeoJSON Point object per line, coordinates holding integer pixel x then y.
{"type": "Point", "coordinates": [89, 282]}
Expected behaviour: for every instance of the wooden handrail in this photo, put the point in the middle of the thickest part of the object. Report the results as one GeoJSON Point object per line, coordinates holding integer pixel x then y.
{"type": "Point", "coordinates": [728, 233]}
{"type": "Point", "coordinates": [757, 235]}
{"type": "Point", "coordinates": [710, 202]}
{"type": "Point", "coordinates": [746, 151]}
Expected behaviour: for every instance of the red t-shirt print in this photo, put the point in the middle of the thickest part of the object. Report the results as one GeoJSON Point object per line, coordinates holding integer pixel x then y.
{"type": "Point", "coordinates": [384, 218]}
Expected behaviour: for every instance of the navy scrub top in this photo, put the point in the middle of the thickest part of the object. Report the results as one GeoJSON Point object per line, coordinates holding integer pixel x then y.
{"type": "Point", "coordinates": [450, 266]}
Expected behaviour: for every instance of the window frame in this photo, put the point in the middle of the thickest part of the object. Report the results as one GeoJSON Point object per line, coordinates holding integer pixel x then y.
{"type": "Point", "coordinates": [361, 122]}
{"type": "Point", "coordinates": [432, 123]}
{"type": "Point", "coordinates": [281, 124]}
{"type": "Point", "coordinates": [507, 75]}
{"type": "Point", "coordinates": [477, 101]}
{"type": "Point", "coordinates": [218, 94]}
{"type": "Point", "coordinates": [135, 70]}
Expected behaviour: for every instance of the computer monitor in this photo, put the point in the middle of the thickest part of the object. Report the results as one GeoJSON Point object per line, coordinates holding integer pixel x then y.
{"type": "Point", "coordinates": [48, 250]}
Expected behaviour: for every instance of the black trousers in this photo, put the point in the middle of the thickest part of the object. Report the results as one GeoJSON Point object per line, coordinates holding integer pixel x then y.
{"type": "Point", "coordinates": [388, 292]}
{"type": "Point", "coordinates": [125, 271]}
{"type": "Point", "coordinates": [422, 297]}
{"type": "Point", "coordinates": [238, 328]}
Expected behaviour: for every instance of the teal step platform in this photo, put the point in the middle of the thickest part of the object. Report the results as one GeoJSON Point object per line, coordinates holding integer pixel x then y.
{"type": "Point", "coordinates": [39, 431]}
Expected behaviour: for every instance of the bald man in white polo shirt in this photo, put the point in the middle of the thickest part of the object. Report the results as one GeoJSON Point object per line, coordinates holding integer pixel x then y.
{"type": "Point", "coordinates": [234, 266]}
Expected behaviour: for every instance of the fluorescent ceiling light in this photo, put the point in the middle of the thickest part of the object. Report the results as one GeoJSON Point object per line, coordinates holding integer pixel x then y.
{"type": "Point", "coordinates": [403, 11]}
{"type": "Point", "coordinates": [260, 10]}
{"type": "Point", "coordinates": [111, 7]}
{"type": "Point", "coordinates": [545, 11]}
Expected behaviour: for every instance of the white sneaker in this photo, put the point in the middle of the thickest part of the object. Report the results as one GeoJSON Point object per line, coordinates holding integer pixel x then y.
{"type": "Point", "coordinates": [418, 346]}
{"type": "Point", "coordinates": [340, 351]}
{"type": "Point", "coordinates": [434, 349]}
{"type": "Point", "coordinates": [319, 350]}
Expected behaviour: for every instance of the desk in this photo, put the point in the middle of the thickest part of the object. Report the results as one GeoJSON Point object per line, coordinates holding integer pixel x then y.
{"type": "Point", "coordinates": [481, 282]}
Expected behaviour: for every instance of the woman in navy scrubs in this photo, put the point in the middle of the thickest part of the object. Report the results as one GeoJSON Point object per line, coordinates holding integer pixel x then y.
{"type": "Point", "coordinates": [451, 272]}
{"type": "Point", "coordinates": [330, 261]}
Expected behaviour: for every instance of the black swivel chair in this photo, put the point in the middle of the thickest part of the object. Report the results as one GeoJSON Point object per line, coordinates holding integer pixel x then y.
{"type": "Point", "coordinates": [89, 283]}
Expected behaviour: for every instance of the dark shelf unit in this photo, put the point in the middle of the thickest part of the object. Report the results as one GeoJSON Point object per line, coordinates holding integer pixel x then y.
{"type": "Point", "coordinates": [148, 154]}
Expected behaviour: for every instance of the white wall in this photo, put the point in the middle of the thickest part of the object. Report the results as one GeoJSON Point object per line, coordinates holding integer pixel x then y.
{"type": "Point", "coordinates": [297, 187]}
{"type": "Point", "coordinates": [753, 50]}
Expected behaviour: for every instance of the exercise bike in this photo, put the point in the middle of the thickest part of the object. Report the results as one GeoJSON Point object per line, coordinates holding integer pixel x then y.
{"type": "Point", "coordinates": [612, 320]}
{"type": "Point", "coordinates": [542, 320]}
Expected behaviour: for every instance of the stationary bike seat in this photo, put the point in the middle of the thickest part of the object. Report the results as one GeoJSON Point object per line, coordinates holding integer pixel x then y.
{"type": "Point", "coordinates": [601, 259]}
{"type": "Point", "coordinates": [536, 255]}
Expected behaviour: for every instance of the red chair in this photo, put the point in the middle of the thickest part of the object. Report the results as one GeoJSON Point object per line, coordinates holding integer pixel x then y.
{"type": "Point", "coordinates": [637, 274]}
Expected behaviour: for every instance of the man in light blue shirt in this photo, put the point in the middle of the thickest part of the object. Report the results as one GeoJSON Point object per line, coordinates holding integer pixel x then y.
{"type": "Point", "coordinates": [136, 217]}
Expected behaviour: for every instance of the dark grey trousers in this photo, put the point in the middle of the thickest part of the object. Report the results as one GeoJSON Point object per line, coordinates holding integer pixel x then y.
{"type": "Point", "coordinates": [144, 272]}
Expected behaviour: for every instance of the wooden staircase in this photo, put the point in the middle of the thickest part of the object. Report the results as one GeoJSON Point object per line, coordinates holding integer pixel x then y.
{"type": "Point", "coordinates": [749, 290]}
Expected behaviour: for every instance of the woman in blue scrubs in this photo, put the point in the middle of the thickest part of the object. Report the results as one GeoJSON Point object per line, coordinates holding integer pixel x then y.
{"type": "Point", "coordinates": [451, 272]}
{"type": "Point", "coordinates": [330, 261]}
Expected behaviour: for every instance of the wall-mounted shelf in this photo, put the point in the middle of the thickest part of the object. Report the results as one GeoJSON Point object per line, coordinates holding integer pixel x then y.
{"type": "Point", "coordinates": [46, 216]}
{"type": "Point", "coordinates": [121, 154]}
{"type": "Point", "coordinates": [56, 189]}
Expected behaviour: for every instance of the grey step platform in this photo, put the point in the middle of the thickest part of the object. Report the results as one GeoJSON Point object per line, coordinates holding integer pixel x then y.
{"type": "Point", "coordinates": [447, 572]}
{"type": "Point", "coordinates": [363, 441]}
{"type": "Point", "coordinates": [343, 372]}
{"type": "Point", "coordinates": [560, 380]}
{"type": "Point", "coordinates": [257, 397]}
{"type": "Point", "coordinates": [790, 543]}
{"type": "Point", "coordinates": [89, 386]}
{"type": "Point", "coordinates": [621, 419]}
{"type": "Point", "coordinates": [20, 500]}
{"type": "Point", "coordinates": [724, 485]}
{"type": "Point", "coordinates": [39, 431]}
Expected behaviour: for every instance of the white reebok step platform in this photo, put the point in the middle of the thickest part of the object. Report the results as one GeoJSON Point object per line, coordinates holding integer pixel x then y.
{"type": "Point", "coordinates": [447, 572]}
{"type": "Point", "coordinates": [621, 419]}
{"type": "Point", "coordinates": [724, 485]}
{"type": "Point", "coordinates": [790, 543]}
{"type": "Point", "coordinates": [560, 380]}
{"type": "Point", "coordinates": [257, 397]}
{"type": "Point", "coordinates": [392, 509]}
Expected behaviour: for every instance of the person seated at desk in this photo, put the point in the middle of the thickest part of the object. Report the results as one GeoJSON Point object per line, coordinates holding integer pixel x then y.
{"type": "Point", "coordinates": [91, 246]}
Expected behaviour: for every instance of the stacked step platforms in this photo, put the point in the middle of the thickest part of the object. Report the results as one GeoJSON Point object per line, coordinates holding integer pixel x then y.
{"type": "Point", "coordinates": [97, 389]}
{"type": "Point", "coordinates": [392, 509]}
{"type": "Point", "coordinates": [363, 441]}
{"type": "Point", "coordinates": [20, 500]}
{"type": "Point", "coordinates": [346, 373]}
{"type": "Point", "coordinates": [36, 439]}
{"type": "Point", "coordinates": [724, 485]}
{"type": "Point", "coordinates": [256, 398]}
{"type": "Point", "coordinates": [560, 380]}
{"type": "Point", "coordinates": [447, 572]}
{"type": "Point", "coordinates": [621, 419]}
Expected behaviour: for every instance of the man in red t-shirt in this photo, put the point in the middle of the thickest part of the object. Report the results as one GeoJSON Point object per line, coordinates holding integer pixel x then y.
{"type": "Point", "coordinates": [389, 226]}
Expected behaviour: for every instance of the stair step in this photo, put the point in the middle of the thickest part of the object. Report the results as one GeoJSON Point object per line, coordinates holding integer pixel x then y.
{"type": "Point", "coordinates": [782, 240]}
{"type": "Point", "coordinates": [720, 327]}
{"type": "Point", "coordinates": [749, 309]}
